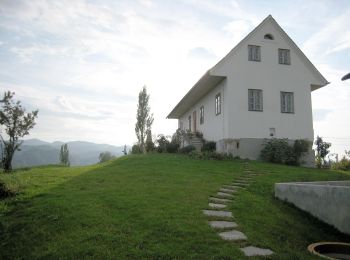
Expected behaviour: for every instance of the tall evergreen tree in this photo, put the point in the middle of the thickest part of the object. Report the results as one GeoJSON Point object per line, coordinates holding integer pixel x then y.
{"type": "Point", "coordinates": [15, 123]}
{"type": "Point", "coordinates": [64, 155]}
{"type": "Point", "coordinates": [144, 119]}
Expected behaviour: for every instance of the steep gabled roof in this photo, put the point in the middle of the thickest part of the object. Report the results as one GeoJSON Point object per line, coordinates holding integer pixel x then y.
{"type": "Point", "coordinates": [209, 80]}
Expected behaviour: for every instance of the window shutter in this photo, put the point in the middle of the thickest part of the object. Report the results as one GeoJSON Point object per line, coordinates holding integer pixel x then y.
{"type": "Point", "coordinates": [250, 53]}
{"type": "Point", "coordinates": [283, 107]}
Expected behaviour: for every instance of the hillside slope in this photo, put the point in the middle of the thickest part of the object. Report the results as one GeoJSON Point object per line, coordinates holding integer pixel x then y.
{"type": "Point", "coordinates": [150, 206]}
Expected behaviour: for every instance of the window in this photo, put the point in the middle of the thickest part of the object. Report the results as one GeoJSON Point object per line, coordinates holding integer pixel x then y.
{"type": "Point", "coordinates": [253, 53]}
{"type": "Point", "coordinates": [284, 56]}
{"type": "Point", "coordinates": [189, 123]}
{"type": "Point", "coordinates": [268, 36]}
{"type": "Point", "coordinates": [255, 100]}
{"type": "Point", "coordinates": [218, 104]}
{"type": "Point", "coordinates": [287, 102]}
{"type": "Point", "coordinates": [201, 115]}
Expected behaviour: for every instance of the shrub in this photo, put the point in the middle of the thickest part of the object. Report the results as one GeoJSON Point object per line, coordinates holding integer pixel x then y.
{"type": "Point", "coordinates": [209, 146]}
{"type": "Point", "coordinates": [187, 149]}
{"type": "Point", "coordinates": [4, 191]}
{"type": "Point", "coordinates": [343, 164]}
{"type": "Point", "coordinates": [135, 149]}
{"type": "Point", "coordinates": [279, 151]}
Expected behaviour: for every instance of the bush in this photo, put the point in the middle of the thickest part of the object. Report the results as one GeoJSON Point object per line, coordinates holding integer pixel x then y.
{"type": "Point", "coordinates": [4, 191]}
{"type": "Point", "coordinates": [209, 146]}
{"type": "Point", "coordinates": [343, 164]}
{"type": "Point", "coordinates": [135, 149]}
{"type": "Point", "coordinates": [172, 147]}
{"type": "Point", "coordinates": [187, 149]}
{"type": "Point", "coordinates": [279, 151]}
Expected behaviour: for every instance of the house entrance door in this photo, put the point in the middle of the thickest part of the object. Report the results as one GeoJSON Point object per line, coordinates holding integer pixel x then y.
{"type": "Point", "coordinates": [194, 121]}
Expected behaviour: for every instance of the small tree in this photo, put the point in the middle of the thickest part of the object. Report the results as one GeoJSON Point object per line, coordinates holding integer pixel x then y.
{"type": "Point", "coordinates": [144, 119]}
{"type": "Point", "coordinates": [64, 155]}
{"type": "Point", "coordinates": [106, 156]}
{"type": "Point", "coordinates": [125, 152]}
{"type": "Point", "coordinates": [16, 124]}
{"type": "Point", "coordinates": [321, 150]}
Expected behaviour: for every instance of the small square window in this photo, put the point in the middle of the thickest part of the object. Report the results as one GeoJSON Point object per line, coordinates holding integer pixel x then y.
{"type": "Point", "coordinates": [287, 102]}
{"type": "Point", "coordinates": [201, 115]}
{"type": "Point", "coordinates": [218, 104]}
{"type": "Point", "coordinates": [255, 100]}
{"type": "Point", "coordinates": [284, 56]}
{"type": "Point", "coordinates": [254, 53]}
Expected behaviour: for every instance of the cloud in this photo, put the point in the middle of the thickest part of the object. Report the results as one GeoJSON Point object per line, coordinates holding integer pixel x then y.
{"type": "Point", "coordinates": [201, 53]}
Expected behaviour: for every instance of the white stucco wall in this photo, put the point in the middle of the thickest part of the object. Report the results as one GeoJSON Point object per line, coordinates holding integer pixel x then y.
{"type": "Point", "coordinates": [213, 128]}
{"type": "Point", "coordinates": [272, 78]}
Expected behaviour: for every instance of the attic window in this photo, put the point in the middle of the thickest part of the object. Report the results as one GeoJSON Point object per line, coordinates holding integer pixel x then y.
{"type": "Point", "coordinates": [268, 36]}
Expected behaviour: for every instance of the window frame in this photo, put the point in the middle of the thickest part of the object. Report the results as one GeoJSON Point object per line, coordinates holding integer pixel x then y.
{"type": "Point", "coordinates": [283, 100]}
{"type": "Point", "coordinates": [190, 123]}
{"type": "Point", "coordinates": [284, 59]}
{"type": "Point", "coordinates": [252, 54]}
{"type": "Point", "coordinates": [201, 115]}
{"type": "Point", "coordinates": [255, 98]}
{"type": "Point", "coordinates": [218, 104]}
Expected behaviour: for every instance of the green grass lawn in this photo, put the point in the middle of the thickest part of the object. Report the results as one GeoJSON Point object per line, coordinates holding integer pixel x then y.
{"type": "Point", "coordinates": [149, 206]}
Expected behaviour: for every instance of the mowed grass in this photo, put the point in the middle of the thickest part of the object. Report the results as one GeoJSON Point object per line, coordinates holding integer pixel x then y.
{"type": "Point", "coordinates": [149, 207]}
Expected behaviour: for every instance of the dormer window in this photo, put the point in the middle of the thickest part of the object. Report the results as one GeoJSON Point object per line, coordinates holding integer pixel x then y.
{"type": "Point", "coordinates": [268, 36]}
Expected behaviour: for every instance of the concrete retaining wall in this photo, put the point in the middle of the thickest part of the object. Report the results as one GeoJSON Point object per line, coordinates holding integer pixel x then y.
{"type": "Point", "coordinates": [328, 201]}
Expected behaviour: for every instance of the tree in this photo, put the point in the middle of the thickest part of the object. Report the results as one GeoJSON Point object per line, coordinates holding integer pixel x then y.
{"type": "Point", "coordinates": [322, 150]}
{"type": "Point", "coordinates": [106, 156]}
{"type": "Point", "coordinates": [149, 142]}
{"type": "Point", "coordinates": [16, 124]}
{"type": "Point", "coordinates": [125, 152]}
{"type": "Point", "coordinates": [64, 155]}
{"type": "Point", "coordinates": [144, 119]}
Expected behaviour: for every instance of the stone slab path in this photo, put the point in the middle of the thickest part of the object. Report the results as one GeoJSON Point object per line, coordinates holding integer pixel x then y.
{"type": "Point", "coordinates": [222, 224]}
{"type": "Point", "coordinates": [225, 196]}
{"type": "Point", "coordinates": [217, 213]}
{"type": "Point", "coordinates": [256, 251]}
{"type": "Point", "coordinates": [217, 206]}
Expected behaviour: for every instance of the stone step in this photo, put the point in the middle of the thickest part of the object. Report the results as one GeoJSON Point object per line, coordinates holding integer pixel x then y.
{"type": "Point", "coordinates": [232, 186]}
{"type": "Point", "coordinates": [227, 190]}
{"type": "Point", "coordinates": [221, 200]}
{"type": "Point", "coordinates": [233, 235]}
{"type": "Point", "coordinates": [217, 206]}
{"type": "Point", "coordinates": [256, 251]}
{"type": "Point", "coordinates": [222, 224]}
{"type": "Point", "coordinates": [217, 213]}
{"type": "Point", "coordinates": [225, 195]}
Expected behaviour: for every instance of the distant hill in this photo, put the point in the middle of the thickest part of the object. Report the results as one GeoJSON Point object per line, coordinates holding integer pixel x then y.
{"type": "Point", "coordinates": [37, 152]}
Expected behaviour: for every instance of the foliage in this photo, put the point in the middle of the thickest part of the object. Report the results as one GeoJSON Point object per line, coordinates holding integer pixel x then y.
{"type": "Point", "coordinates": [209, 146]}
{"type": "Point", "coordinates": [4, 191]}
{"type": "Point", "coordinates": [106, 156]}
{"type": "Point", "coordinates": [135, 149]}
{"type": "Point", "coordinates": [149, 142]}
{"type": "Point", "coordinates": [162, 143]}
{"type": "Point", "coordinates": [210, 155]}
{"type": "Point", "coordinates": [16, 124]}
{"type": "Point", "coordinates": [343, 164]}
{"type": "Point", "coordinates": [187, 149]}
{"type": "Point", "coordinates": [321, 151]}
{"type": "Point", "coordinates": [144, 119]}
{"type": "Point", "coordinates": [279, 151]}
{"type": "Point", "coordinates": [64, 155]}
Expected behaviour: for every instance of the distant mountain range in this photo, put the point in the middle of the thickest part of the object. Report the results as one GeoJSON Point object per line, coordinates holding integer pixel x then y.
{"type": "Point", "coordinates": [37, 152]}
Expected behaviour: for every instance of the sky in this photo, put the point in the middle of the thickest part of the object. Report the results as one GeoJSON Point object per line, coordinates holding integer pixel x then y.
{"type": "Point", "coordinates": [82, 63]}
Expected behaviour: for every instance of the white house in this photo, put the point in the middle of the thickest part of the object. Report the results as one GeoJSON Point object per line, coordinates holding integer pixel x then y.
{"type": "Point", "coordinates": [260, 89]}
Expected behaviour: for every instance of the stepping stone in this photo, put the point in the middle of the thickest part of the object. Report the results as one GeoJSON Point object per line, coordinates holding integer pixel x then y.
{"type": "Point", "coordinates": [230, 187]}
{"type": "Point", "coordinates": [233, 235]}
{"type": "Point", "coordinates": [217, 213]}
{"type": "Point", "coordinates": [227, 190]}
{"type": "Point", "coordinates": [223, 194]}
{"type": "Point", "coordinates": [256, 251]}
{"type": "Point", "coordinates": [241, 184]}
{"type": "Point", "coordinates": [219, 200]}
{"type": "Point", "coordinates": [217, 206]}
{"type": "Point", "coordinates": [222, 224]}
